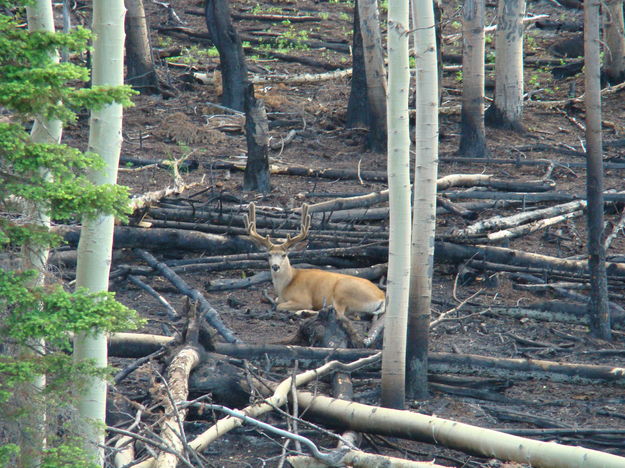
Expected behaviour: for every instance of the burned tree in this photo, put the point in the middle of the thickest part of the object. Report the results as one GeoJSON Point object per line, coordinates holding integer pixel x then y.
{"type": "Point", "coordinates": [369, 58]}
{"type": "Point", "coordinates": [140, 72]}
{"type": "Point", "coordinates": [507, 109]}
{"type": "Point", "coordinates": [256, 175]}
{"type": "Point", "coordinates": [472, 139]}
{"type": "Point", "coordinates": [231, 57]}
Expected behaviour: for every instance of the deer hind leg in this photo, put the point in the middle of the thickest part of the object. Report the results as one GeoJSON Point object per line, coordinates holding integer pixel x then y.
{"type": "Point", "coordinates": [348, 326]}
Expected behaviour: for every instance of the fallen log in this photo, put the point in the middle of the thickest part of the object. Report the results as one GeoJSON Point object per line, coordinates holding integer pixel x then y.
{"type": "Point", "coordinates": [530, 162]}
{"type": "Point", "coordinates": [358, 459]}
{"type": "Point", "coordinates": [320, 235]}
{"type": "Point", "coordinates": [130, 344]}
{"type": "Point", "coordinates": [234, 218]}
{"type": "Point", "coordinates": [174, 391]}
{"type": "Point", "coordinates": [502, 222]}
{"type": "Point", "coordinates": [207, 311]}
{"type": "Point", "coordinates": [278, 399]}
{"type": "Point", "coordinates": [483, 180]}
{"type": "Point", "coordinates": [453, 434]}
{"type": "Point", "coordinates": [456, 253]}
{"type": "Point", "coordinates": [161, 239]}
{"type": "Point", "coordinates": [529, 228]}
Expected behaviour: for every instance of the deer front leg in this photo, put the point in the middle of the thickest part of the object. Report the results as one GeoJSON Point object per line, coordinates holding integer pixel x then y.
{"type": "Point", "coordinates": [301, 309]}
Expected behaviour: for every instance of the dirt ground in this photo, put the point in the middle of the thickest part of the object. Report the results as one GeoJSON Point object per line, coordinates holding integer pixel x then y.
{"type": "Point", "coordinates": [186, 124]}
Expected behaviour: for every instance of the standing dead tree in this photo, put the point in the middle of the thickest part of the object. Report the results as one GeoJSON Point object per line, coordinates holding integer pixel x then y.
{"type": "Point", "coordinates": [140, 72]}
{"type": "Point", "coordinates": [472, 138]}
{"type": "Point", "coordinates": [367, 100]}
{"type": "Point", "coordinates": [598, 306]}
{"type": "Point", "coordinates": [256, 176]}
{"type": "Point", "coordinates": [231, 56]}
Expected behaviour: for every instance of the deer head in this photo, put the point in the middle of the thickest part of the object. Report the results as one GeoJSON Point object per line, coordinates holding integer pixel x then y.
{"type": "Point", "coordinates": [278, 253]}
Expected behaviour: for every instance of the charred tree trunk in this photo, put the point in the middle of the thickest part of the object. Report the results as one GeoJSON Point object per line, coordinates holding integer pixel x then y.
{"type": "Point", "coordinates": [256, 176]}
{"type": "Point", "coordinates": [472, 139]}
{"type": "Point", "coordinates": [231, 56]}
{"type": "Point", "coordinates": [614, 33]}
{"type": "Point", "coordinates": [598, 306]}
{"type": "Point", "coordinates": [358, 105]}
{"type": "Point", "coordinates": [507, 109]}
{"type": "Point", "coordinates": [375, 73]}
{"type": "Point", "coordinates": [140, 72]}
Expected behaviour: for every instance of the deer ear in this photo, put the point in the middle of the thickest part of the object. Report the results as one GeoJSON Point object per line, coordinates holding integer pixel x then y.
{"type": "Point", "coordinates": [301, 245]}
{"type": "Point", "coordinates": [257, 243]}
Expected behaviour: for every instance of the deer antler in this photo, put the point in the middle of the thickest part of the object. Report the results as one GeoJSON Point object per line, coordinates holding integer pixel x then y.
{"type": "Point", "coordinates": [303, 234]}
{"type": "Point", "coordinates": [250, 225]}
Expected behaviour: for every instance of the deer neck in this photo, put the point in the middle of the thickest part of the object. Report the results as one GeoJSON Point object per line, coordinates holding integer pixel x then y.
{"type": "Point", "coordinates": [283, 277]}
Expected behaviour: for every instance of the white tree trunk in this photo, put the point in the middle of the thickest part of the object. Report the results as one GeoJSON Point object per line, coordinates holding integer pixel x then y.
{"type": "Point", "coordinates": [472, 138]}
{"type": "Point", "coordinates": [453, 434]}
{"type": "Point", "coordinates": [96, 239]}
{"type": "Point", "coordinates": [40, 18]}
{"type": "Point", "coordinates": [424, 201]}
{"type": "Point", "coordinates": [598, 306]}
{"type": "Point", "coordinates": [614, 34]}
{"type": "Point", "coordinates": [507, 109]}
{"type": "Point", "coordinates": [395, 321]}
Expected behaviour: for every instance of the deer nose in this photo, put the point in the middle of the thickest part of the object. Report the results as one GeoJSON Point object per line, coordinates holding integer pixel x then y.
{"type": "Point", "coordinates": [275, 267]}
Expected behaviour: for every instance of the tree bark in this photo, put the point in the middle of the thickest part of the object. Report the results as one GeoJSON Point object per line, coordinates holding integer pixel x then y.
{"type": "Point", "coordinates": [396, 317]}
{"type": "Point", "coordinates": [375, 73]}
{"type": "Point", "coordinates": [256, 175]}
{"type": "Point", "coordinates": [156, 238]}
{"type": "Point", "coordinates": [455, 253]}
{"type": "Point", "coordinates": [231, 56]}
{"type": "Point", "coordinates": [507, 109]}
{"type": "Point", "coordinates": [598, 305]}
{"type": "Point", "coordinates": [614, 33]}
{"type": "Point", "coordinates": [140, 72]}
{"type": "Point", "coordinates": [96, 240]}
{"type": "Point", "coordinates": [472, 133]}
{"type": "Point", "coordinates": [33, 437]}
{"type": "Point", "coordinates": [452, 434]}
{"type": "Point", "coordinates": [503, 222]}
{"type": "Point", "coordinates": [358, 104]}
{"type": "Point", "coordinates": [424, 198]}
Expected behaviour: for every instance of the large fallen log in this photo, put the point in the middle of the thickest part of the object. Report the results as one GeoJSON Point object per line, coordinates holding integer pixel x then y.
{"type": "Point", "coordinates": [453, 434]}
{"type": "Point", "coordinates": [502, 222]}
{"type": "Point", "coordinates": [278, 399]}
{"type": "Point", "coordinates": [448, 252]}
{"type": "Point", "coordinates": [134, 345]}
{"type": "Point", "coordinates": [174, 391]}
{"type": "Point", "coordinates": [160, 239]}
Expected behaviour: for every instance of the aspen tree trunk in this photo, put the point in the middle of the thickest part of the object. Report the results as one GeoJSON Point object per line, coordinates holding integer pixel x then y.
{"type": "Point", "coordinates": [33, 438]}
{"type": "Point", "coordinates": [507, 109]}
{"type": "Point", "coordinates": [375, 73]}
{"type": "Point", "coordinates": [96, 239]}
{"type": "Point", "coordinates": [472, 137]}
{"type": "Point", "coordinates": [140, 72]}
{"type": "Point", "coordinates": [614, 38]}
{"type": "Point", "coordinates": [598, 305]}
{"type": "Point", "coordinates": [424, 197]}
{"type": "Point", "coordinates": [395, 321]}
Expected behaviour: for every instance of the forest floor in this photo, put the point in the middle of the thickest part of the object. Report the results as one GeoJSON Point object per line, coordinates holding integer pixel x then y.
{"type": "Point", "coordinates": [186, 124]}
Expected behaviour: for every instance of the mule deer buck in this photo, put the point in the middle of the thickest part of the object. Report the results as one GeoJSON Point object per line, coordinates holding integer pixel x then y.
{"type": "Point", "coordinates": [306, 289]}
